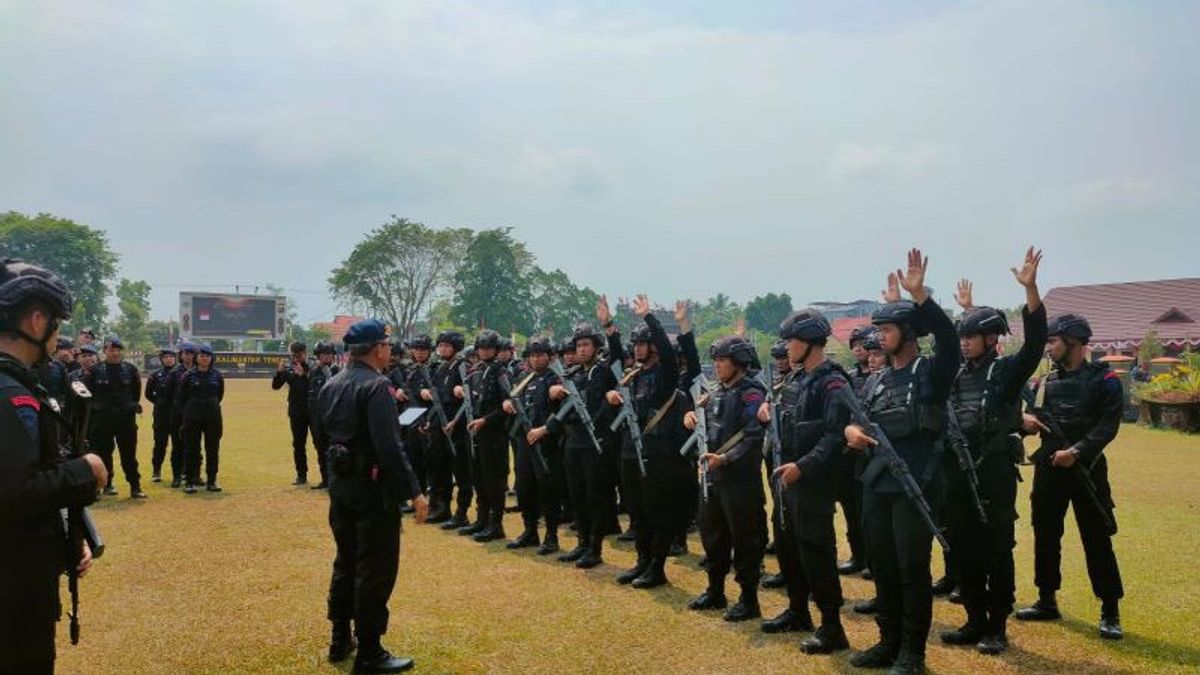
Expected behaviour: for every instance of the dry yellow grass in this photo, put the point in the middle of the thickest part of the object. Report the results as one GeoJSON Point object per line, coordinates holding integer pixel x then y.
{"type": "Point", "coordinates": [236, 583]}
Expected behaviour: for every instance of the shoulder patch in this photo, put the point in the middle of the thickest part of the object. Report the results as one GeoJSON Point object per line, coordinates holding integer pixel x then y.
{"type": "Point", "coordinates": [1110, 375]}
{"type": "Point", "coordinates": [753, 396]}
{"type": "Point", "coordinates": [835, 383]}
{"type": "Point", "coordinates": [25, 401]}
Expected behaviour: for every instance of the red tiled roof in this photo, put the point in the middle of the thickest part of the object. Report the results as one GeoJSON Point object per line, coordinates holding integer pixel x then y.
{"type": "Point", "coordinates": [338, 327]}
{"type": "Point", "coordinates": [842, 328]}
{"type": "Point", "coordinates": [1120, 314]}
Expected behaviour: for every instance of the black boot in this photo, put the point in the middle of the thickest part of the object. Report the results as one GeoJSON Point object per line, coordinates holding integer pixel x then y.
{"type": "Point", "coordinates": [944, 586]}
{"type": "Point", "coordinates": [1110, 621]}
{"type": "Point", "coordinates": [829, 638]}
{"type": "Point", "coordinates": [969, 633]}
{"type": "Point", "coordinates": [628, 535]}
{"type": "Point", "coordinates": [176, 482]}
{"type": "Point", "coordinates": [480, 524]}
{"type": "Point", "coordinates": [867, 606]}
{"type": "Point", "coordinates": [638, 569]}
{"type": "Point", "coordinates": [550, 543]}
{"type": "Point", "coordinates": [459, 520]}
{"type": "Point", "coordinates": [212, 486]}
{"type": "Point", "coordinates": [774, 581]}
{"type": "Point", "coordinates": [712, 598]}
{"type": "Point", "coordinates": [789, 621]}
{"type": "Point", "coordinates": [908, 663]}
{"type": "Point", "coordinates": [342, 642]}
{"type": "Point", "coordinates": [746, 608]}
{"type": "Point", "coordinates": [1045, 609]}
{"type": "Point", "coordinates": [852, 566]}
{"type": "Point", "coordinates": [581, 547]}
{"type": "Point", "coordinates": [382, 662]}
{"type": "Point", "coordinates": [880, 655]}
{"type": "Point", "coordinates": [323, 485]}
{"type": "Point", "coordinates": [995, 641]}
{"type": "Point", "coordinates": [439, 512]}
{"type": "Point", "coordinates": [528, 538]}
{"type": "Point", "coordinates": [654, 576]}
{"type": "Point", "coordinates": [301, 479]}
{"type": "Point", "coordinates": [591, 558]}
{"type": "Point", "coordinates": [494, 529]}
{"type": "Point", "coordinates": [156, 477]}
{"type": "Point", "coordinates": [135, 492]}
{"type": "Point", "coordinates": [190, 489]}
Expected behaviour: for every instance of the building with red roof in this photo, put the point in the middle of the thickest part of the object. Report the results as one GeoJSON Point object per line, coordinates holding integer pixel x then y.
{"type": "Point", "coordinates": [1121, 314]}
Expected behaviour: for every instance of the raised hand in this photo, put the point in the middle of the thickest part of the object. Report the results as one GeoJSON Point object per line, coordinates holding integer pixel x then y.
{"type": "Point", "coordinates": [892, 293]}
{"type": "Point", "coordinates": [739, 328]}
{"type": "Point", "coordinates": [963, 297]}
{"type": "Point", "coordinates": [641, 305]}
{"type": "Point", "coordinates": [1027, 274]}
{"type": "Point", "coordinates": [681, 316]}
{"type": "Point", "coordinates": [603, 315]}
{"type": "Point", "coordinates": [913, 279]}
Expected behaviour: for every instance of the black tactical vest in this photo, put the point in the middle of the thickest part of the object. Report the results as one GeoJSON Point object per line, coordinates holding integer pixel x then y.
{"type": "Point", "coordinates": [1067, 399]}
{"type": "Point", "coordinates": [897, 402]}
{"type": "Point", "coordinates": [978, 400]}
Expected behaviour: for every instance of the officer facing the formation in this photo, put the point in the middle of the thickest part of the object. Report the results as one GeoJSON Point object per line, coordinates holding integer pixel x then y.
{"type": "Point", "coordinates": [909, 404]}
{"type": "Point", "coordinates": [179, 449]}
{"type": "Point", "coordinates": [449, 448]}
{"type": "Point", "coordinates": [734, 516]}
{"type": "Point", "coordinates": [539, 456]}
{"type": "Point", "coordinates": [986, 405]}
{"type": "Point", "coordinates": [318, 376]}
{"type": "Point", "coordinates": [812, 423]}
{"type": "Point", "coordinates": [294, 374]}
{"type": "Point", "coordinates": [160, 391]}
{"type": "Point", "coordinates": [491, 439]}
{"type": "Point", "coordinates": [199, 398]}
{"type": "Point", "coordinates": [34, 483]}
{"type": "Point", "coordinates": [370, 478]}
{"type": "Point", "coordinates": [116, 388]}
{"type": "Point", "coordinates": [1078, 413]}
{"type": "Point", "coordinates": [665, 490]}
{"type": "Point", "coordinates": [55, 374]}
{"type": "Point", "coordinates": [88, 357]}
{"type": "Point", "coordinates": [588, 476]}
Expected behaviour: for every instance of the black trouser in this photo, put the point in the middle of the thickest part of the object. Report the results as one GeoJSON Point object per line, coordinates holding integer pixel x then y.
{"type": "Point", "coordinates": [984, 553]}
{"type": "Point", "coordinates": [119, 430]}
{"type": "Point", "coordinates": [537, 489]}
{"type": "Point", "coordinates": [900, 549]}
{"type": "Point", "coordinates": [179, 452]}
{"type": "Point", "coordinates": [491, 450]}
{"type": "Point", "coordinates": [462, 466]}
{"type": "Point", "coordinates": [1053, 490]}
{"type": "Point", "coordinates": [163, 435]}
{"type": "Point", "coordinates": [321, 442]}
{"type": "Point", "coordinates": [299, 425]}
{"type": "Point", "coordinates": [849, 496]}
{"type": "Point", "coordinates": [364, 571]}
{"type": "Point", "coordinates": [810, 545]}
{"type": "Point", "coordinates": [439, 466]}
{"type": "Point", "coordinates": [206, 423]}
{"type": "Point", "coordinates": [937, 502]}
{"type": "Point", "coordinates": [567, 507]}
{"type": "Point", "coordinates": [590, 483]}
{"type": "Point", "coordinates": [632, 501]}
{"type": "Point", "coordinates": [734, 519]}
{"type": "Point", "coordinates": [610, 474]}
{"type": "Point", "coordinates": [29, 605]}
{"type": "Point", "coordinates": [416, 445]}
{"type": "Point", "coordinates": [665, 501]}
{"type": "Point", "coordinates": [32, 648]}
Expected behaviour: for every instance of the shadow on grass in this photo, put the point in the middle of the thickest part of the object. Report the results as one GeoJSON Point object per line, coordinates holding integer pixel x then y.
{"type": "Point", "coordinates": [1160, 651]}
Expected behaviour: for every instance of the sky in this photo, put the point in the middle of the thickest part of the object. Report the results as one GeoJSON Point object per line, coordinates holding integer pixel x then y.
{"type": "Point", "coordinates": [677, 148]}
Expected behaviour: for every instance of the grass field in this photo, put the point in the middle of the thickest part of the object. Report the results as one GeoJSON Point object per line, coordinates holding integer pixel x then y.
{"type": "Point", "coordinates": [236, 582]}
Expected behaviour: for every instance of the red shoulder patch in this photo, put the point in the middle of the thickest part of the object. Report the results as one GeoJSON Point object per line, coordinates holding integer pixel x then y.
{"type": "Point", "coordinates": [752, 396]}
{"type": "Point", "coordinates": [25, 402]}
{"type": "Point", "coordinates": [834, 384]}
{"type": "Point", "coordinates": [1110, 375]}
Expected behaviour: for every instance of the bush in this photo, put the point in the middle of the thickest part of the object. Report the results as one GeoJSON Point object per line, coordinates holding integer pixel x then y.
{"type": "Point", "coordinates": [1181, 385]}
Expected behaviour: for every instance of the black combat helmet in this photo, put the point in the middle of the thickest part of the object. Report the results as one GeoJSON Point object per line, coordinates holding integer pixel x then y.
{"type": "Point", "coordinates": [397, 347]}
{"type": "Point", "coordinates": [640, 333]}
{"type": "Point", "coordinates": [586, 331]}
{"type": "Point", "coordinates": [779, 350]}
{"type": "Point", "coordinates": [506, 344]}
{"type": "Point", "coordinates": [421, 341]}
{"type": "Point", "coordinates": [22, 283]}
{"type": "Point", "coordinates": [859, 334]}
{"type": "Point", "coordinates": [736, 348]}
{"type": "Point", "coordinates": [539, 345]}
{"type": "Point", "coordinates": [453, 338]}
{"type": "Point", "coordinates": [324, 347]}
{"type": "Point", "coordinates": [983, 321]}
{"type": "Point", "coordinates": [1070, 325]}
{"type": "Point", "coordinates": [808, 325]}
{"type": "Point", "coordinates": [488, 339]}
{"type": "Point", "coordinates": [903, 313]}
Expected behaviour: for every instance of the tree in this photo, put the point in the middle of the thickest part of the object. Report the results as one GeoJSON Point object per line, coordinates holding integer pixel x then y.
{"type": "Point", "coordinates": [79, 254]}
{"type": "Point", "coordinates": [1150, 349]}
{"type": "Point", "coordinates": [765, 312]}
{"type": "Point", "coordinates": [556, 304]}
{"type": "Point", "coordinates": [133, 302]}
{"type": "Point", "coordinates": [490, 285]}
{"type": "Point", "coordinates": [718, 311]}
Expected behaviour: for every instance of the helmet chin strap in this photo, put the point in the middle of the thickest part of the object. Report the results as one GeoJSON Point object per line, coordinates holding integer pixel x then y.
{"type": "Point", "coordinates": [43, 352]}
{"type": "Point", "coordinates": [807, 350]}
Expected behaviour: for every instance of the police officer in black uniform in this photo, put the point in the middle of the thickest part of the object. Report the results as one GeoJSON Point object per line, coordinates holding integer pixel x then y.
{"type": "Point", "coordinates": [849, 489]}
{"type": "Point", "coordinates": [588, 473]}
{"type": "Point", "coordinates": [318, 376]}
{"type": "Point", "coordinates": [200, 394]}
{"type": "Point", "coordinates": [370, 478]}
{"type": "Point", "coordinates": [160, 391]}
{"type": "Point", "coordinates": [909, 404]}
{"type": "Point", "coordinates": [450, 453]}
{"type": "Point", "coordinates": [55, 374]}
{"type": "Point", "coordinates": [179, 450]}
{"type": "Point", "coordinates": [1082, 403]}
{"type": "Point", "coordinates": [812, 422]}
{"type": "Point", "coordinates": [986, 402]}
{"type": "Point", "coordinates": [116, 388]}
{"type": "Point", "coordinates": [34, 483]}
{"type": "Point", "coordinates": [782, 368]}
{"type": "Point", "coordinates": [663, 495]}
{"type": "Point", "coordinates": [294, 374]}
{"type": "Point", "coordinates": [734, 517]}
{"type": "Point", "coordinates": [491, 437]}
{"type": "Point", "coordinates": [539, 455]}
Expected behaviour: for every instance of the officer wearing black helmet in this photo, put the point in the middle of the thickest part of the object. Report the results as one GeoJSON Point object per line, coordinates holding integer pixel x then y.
{"type": "Point", "coordinates": [116, 388]}
{"type": "Point", "coordinates": [410, 380]}
{"type": "Point", "coordinates": [539, 454]}
{"type": "Point", "coordinates": [781, 368]}
{"type": "Point", "coordinates": [662, 498]}
{"type": "Point", "coordinates": [849, 489]}
{"type": "Point", "coordinates": [909, 404]}
{"type": "Point", "coordinates": [812, 423]}
{"type": "Point", "coordinates": [490, 464]}
{"type": "Point", "coordinates": [160, 391]}
{"type": "Point", "coordinates": [200, 394]}
{"type": "Point", "coordinates": [34, 482]}
{"type": "Point", "coordinates": [1082, 403]}
{"type": "Point", "coordinates": [449, 450]}
{"type": "Point", "coordinates": [293, 373]}
{"type": "Point", "coordinates": [734, 517]}
{"type": "Point", "coordinates": [986, 403]}
{"type": "Point", "coordinates": [588, 474]}
{"type": "Point", "coordinates": [370, 478]}
{"type": "Point", "coordinates": [318, 376]}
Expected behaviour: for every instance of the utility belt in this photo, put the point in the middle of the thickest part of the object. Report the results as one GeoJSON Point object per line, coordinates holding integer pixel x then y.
{"type": "Point", "coordinates": [902, 422]}
{"type": "Point", "coordinates": [355, 478]}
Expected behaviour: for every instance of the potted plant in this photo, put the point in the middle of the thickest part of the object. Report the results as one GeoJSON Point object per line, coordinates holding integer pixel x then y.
{"type": "Point", "coordinates": [1172, 399]}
